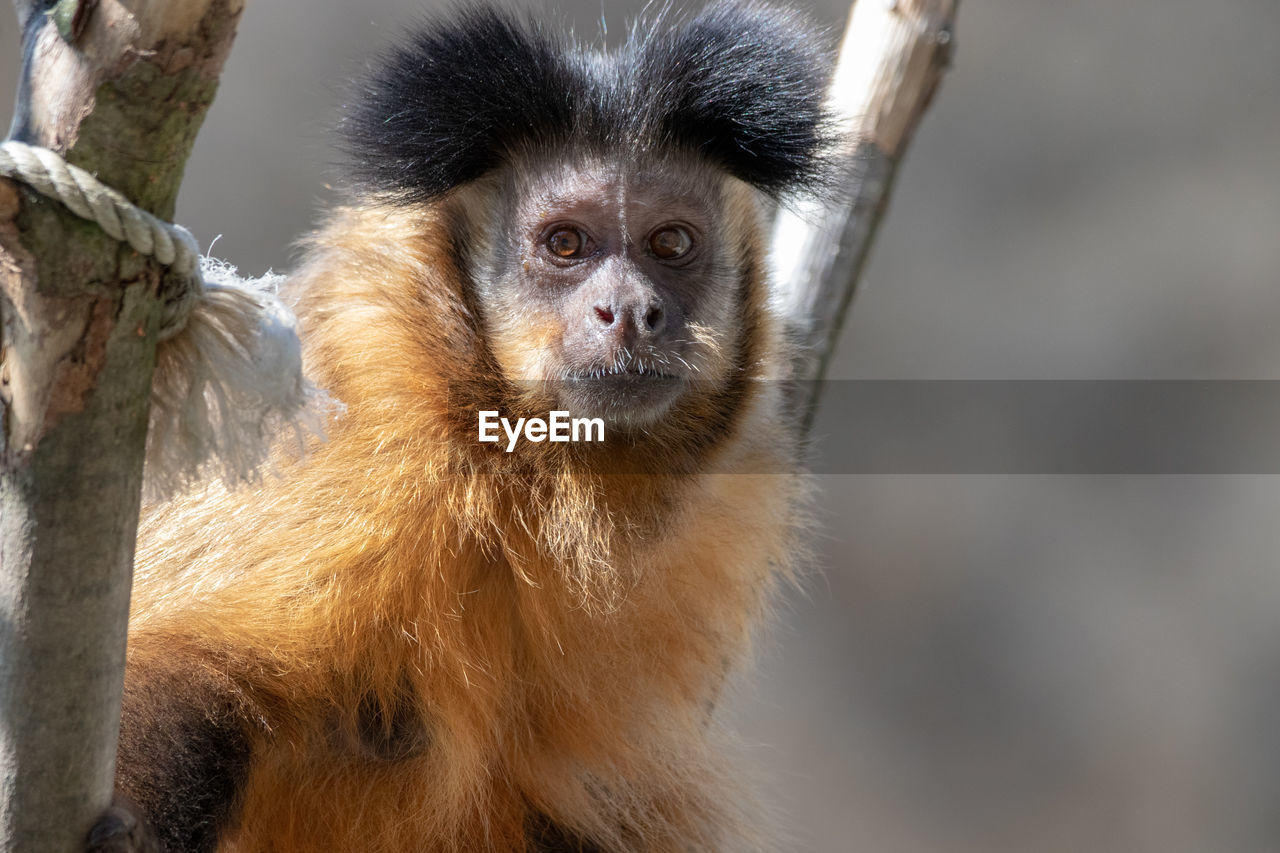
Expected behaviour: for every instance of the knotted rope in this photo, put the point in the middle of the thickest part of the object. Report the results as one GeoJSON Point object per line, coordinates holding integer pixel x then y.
{"type": "Point", "coordinates": [87, 197]}
{"type": "Point", "coordinates": [228, 374]}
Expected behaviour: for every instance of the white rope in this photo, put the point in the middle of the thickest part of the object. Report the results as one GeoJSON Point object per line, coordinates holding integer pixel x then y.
{"type": "Point", "coordinates": [87, 197]}
{"type": "Point", "coordinates": [228, 375]}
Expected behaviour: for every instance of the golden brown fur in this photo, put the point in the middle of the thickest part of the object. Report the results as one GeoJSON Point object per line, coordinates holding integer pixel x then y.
{"type": "Point", "coordinates": [541, 633]}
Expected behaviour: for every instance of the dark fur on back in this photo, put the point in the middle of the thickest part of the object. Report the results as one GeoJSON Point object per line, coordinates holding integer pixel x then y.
{"type": "Point", "coordinates": [740, 83]}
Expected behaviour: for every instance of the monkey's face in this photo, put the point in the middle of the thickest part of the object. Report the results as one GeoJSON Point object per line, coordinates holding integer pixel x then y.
{"type": "Point", "coordinates": [616, 287]}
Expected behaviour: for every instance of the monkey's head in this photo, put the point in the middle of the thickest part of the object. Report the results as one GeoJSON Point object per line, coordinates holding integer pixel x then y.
{"type": "Point", "coordinates": [612, 285]}
{"type": "Point", "coordinates": [605, 208]}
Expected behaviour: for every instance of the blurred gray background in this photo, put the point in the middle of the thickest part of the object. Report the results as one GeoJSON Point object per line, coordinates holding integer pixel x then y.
{"type": "Point", "coordinates": [978, 663]}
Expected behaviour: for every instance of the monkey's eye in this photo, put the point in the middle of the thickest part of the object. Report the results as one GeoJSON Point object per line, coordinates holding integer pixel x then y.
{"type": "Point", "coordinates": [670, 242]}
{"type": "Point", "coordinates": [566, 242]}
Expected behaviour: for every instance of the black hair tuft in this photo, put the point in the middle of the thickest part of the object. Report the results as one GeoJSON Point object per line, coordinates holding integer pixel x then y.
{"type": "Point", "coordinates": [443, 108]}
{"type": "Point", "coordinates": [742, 84]}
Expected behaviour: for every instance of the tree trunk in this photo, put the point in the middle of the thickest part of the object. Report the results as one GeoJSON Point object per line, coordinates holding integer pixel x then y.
{"type": "Point", "coordinates": [120, 89]}
{"type": "Point", "coordinates": [891, 62]}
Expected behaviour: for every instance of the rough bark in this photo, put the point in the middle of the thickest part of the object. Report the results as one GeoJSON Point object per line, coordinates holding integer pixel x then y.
{"type": "Point", "coordinates": [118, 88]}
{"type": "Point", "coordinates": [891, 62]}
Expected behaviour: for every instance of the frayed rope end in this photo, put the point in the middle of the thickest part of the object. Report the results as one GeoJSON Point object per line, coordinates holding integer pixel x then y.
{"type": "Point", "coordinates": [229, 387]}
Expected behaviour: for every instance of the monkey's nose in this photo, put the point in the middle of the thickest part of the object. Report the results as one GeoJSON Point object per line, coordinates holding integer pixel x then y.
{"type": "Point", "coordinates": [641, 319]}
{"type": "Point", "coordinates": [655, 319]}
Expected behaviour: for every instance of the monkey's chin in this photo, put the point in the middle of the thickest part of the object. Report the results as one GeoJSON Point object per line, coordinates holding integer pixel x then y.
{"type": "Point", "coordinates": [626, 401]}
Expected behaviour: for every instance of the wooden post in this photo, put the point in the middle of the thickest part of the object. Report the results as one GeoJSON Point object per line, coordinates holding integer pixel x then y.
{"type": "Point", "coordinates": [120, 89]}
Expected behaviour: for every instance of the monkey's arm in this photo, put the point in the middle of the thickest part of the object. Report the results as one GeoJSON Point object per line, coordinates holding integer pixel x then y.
{"type": "Point", "coordinates": [183, 753]}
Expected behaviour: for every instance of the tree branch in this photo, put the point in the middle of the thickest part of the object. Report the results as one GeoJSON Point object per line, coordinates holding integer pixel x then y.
{"type": "Point", "coordinates": [120, 89]}
{"type": "Point", "coordinates": [891, 62]}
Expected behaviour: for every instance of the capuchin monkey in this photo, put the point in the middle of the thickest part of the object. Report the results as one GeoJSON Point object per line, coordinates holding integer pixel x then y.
{"type": "Point", "coordinates": [417, 640]}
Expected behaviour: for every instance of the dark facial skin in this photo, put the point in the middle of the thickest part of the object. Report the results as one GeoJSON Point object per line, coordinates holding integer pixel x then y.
{"type": "Point", "coordinates": [614, 285]}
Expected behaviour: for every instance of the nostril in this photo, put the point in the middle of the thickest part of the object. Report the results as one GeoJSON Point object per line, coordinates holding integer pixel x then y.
{"type": "Point", "coordinates": [654, 318]}
{"type": "Point", "coordinates": [605, 315]}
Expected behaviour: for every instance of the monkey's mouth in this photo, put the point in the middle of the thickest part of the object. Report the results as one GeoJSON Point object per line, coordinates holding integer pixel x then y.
{"type": "Point", "coordinates": [631, 371]}
{"type": "Point", "coordinates": [628, 395]}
